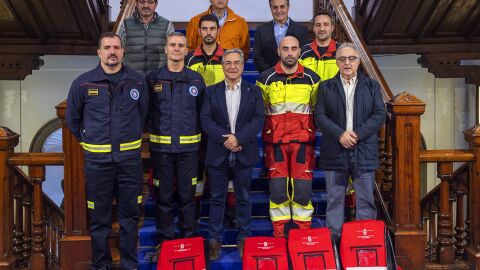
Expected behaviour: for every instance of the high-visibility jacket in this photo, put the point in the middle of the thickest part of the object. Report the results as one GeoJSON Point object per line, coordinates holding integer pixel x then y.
{"type": "Point", "coordinates": [210, 67]}
{"type": "Point", "coordinates": [289, 100]}
{"type": "Point", "coordinates": [108, 121]}
{"type": "Point", "coordinates": [323, 64]}
{"type": "Point", "coordinates": [175, 100]}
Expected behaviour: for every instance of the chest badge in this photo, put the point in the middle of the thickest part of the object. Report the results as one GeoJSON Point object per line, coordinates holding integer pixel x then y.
{"type": "Point", "coordinates": [93, 92]}
{"type": "Point", "coordinates": [158, 88]}
{"type": "Point", "coordinates": [134, 94]}
{"type": "Point", "coordinates": [193, 91]}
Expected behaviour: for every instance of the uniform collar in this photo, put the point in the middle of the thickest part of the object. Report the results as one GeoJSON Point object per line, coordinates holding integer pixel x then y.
{"type": "Point", "coordinates": [217, 54]}
{"type": "Point", "coordinates": [297, 74]}
{"type": "Point", "coordinates": [99, 75]}
{"type": "Point", "coordinates": [332, 47]}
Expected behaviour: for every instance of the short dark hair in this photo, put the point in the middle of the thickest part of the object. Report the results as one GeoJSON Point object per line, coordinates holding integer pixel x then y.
{"type": "Point", "coordinates": [324, 13]}
{"type": "Point", "coordinates": [270, 2]}
{"type": "Point", "coordinates": [208, 18]}
{"type": "Point", "coordinates": [108, 35]}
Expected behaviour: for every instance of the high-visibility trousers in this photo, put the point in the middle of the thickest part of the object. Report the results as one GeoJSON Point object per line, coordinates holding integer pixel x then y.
{"type": "Point", "coordinates": [290, 170]}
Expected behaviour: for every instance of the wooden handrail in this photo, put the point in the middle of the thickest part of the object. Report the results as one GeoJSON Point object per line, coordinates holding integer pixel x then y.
{"type": "Point", "coordinates": [36, 159]}
{"type": "Point", "coordinates": [368, 63]}
{"type": "Point", "coordinates": [456, 177]}
{"type": "Point", "coordinates": [446, 156]}
{"type": "Point", "coordinates": [126, 11]}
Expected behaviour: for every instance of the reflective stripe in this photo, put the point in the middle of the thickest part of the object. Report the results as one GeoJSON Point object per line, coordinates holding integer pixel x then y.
{"type": "Point", "coordinates": [160, 139]}
{"type": "Point", "coordinates": [156, 182]}
{"type": "Point", "coordinates": [199, 188]}
{"type": "Point", "coordinates": [190, 139]}
{"type": "Point", "coordinates": [280, 211]}
{"type": "Point", "coordinates": [194, 181]}
{"type": "Point", "coordinates": [230, 186]}
{"type": "Point", "coordinates": [97, 148]}
{"type": "Point", "coordinates": [326, 69]}
{"type": "Point", "coordinates": [131, 145]}
{"type": "Point", "coordinates": [289, 107]}
{"type": "Point", "coordinates": [301, 212]}
{"type": "Point", "coordinates": [139, 199]}
{"type": "Point", "coordinates": [211, 73]}
{"type": "Point", "coordinates": [90, 205]}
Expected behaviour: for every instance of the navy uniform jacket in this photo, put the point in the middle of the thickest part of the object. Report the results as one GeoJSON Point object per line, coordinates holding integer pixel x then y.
{"type": "Point", "coordinates": [368, 117]}
{"type": "Point", "coordinates": [175, 100]}
{"type": "Point", "coordinates": [215, 123]}
{"type": "Point", "coordinates": [108, 122]}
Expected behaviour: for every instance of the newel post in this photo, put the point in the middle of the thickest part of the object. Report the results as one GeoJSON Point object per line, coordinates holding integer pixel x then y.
{"type": "Point", "coordinates": [472, 136]}
{"type": "Point", "coordinates": [8, 141]}
{"type": "Point", "coordinates": [409, 236]}
{"type": "Point", "coordinates": [75, 247]}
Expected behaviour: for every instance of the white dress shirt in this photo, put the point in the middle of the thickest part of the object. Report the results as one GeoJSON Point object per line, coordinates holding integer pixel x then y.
{"type": "Point", "coordinates": [232, 96]}
{"type": "Point", "coordinates": [349, 88]}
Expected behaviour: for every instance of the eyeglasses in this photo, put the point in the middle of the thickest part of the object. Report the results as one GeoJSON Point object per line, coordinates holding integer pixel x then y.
{"type": "Point", "coordinates": [344, 59]}
{"type": "Point", "coordinates": [142, 2]}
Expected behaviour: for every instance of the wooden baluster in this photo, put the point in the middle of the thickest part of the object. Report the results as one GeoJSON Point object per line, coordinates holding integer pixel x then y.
{"type": "Point", "coordinates": [27, 205]}
{"type": "Point", "coordinates": [8, 141]}
{"type": "Point", "coordinates": [18, 235]}
{"type": "Point", "coordinates": [387, 185]}
{"type": "Point", "coordinates": [37, 260]}
{"type": "Point", "coordinates": [445, 252]}
{"type": "Point", "coordinates": [379, 173]}
{"type": "Point", "coordinates": [472, 136]}
{"type": "Point", "coordinates": [432, 231]}
{"type": "Point", "coordinates": [460, 234]}
{"type": "Point", "coordinates": [425, 222]}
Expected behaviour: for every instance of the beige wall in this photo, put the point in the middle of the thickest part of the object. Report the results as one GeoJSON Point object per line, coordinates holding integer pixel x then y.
{"type": "Point", "coordinates": [450, 103]}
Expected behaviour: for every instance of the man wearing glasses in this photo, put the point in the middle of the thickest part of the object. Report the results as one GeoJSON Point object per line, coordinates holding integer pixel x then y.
{"type": "Point", "coordinates": [144, 36]}
{"type": "Point", "coordinates": [349, 111]}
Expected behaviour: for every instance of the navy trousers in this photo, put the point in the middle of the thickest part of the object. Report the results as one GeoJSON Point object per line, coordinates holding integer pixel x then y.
{"type": "Point", "coordinates": [105, 181]}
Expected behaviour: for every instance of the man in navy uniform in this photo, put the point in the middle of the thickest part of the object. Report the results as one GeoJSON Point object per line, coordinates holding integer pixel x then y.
{"type": "Point", "coordinates": [106, 110]}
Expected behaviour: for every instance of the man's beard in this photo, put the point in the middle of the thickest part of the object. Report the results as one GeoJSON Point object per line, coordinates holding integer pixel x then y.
{"type": "Point", "coordinates": [209, 42]}
{"type": "Point", "coordinates": [288, 63]}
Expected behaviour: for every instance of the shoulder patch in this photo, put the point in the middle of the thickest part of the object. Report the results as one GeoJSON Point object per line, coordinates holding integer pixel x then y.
{"type": "Point", "coordinates": [134, 94]}
{"type": "Point", "coordinates": [193, 90]}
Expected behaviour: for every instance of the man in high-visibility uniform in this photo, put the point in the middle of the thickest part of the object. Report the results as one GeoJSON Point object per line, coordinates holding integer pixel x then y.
{"type": "Point", "coordinates": [175, 94]}
{"type": "Point", "coordinates": [106, 110]}
{"type": "Point", "coordinates": [207, 60]}
{"type": "Point", "coordinates": [319, 55]}
{"type": "Point", "coordinates": [289, 92]}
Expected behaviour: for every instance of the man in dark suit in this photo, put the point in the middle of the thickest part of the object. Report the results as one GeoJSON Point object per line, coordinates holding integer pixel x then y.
{"type": "Point", "coordinates": [268, 35]}
{"type": "Point", "coordinates": [232, 115]}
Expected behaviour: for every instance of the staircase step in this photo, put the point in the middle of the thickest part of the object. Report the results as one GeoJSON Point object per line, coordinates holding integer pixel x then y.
{"type": "Point", "coordinates": [250, 76]}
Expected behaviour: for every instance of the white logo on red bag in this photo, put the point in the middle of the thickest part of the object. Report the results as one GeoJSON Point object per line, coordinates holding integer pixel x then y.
{"type": "Point", "coordinates": [365, 234]}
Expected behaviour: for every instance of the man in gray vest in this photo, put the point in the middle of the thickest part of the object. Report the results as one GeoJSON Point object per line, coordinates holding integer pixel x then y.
{"type": "Point", "coordinates": [143, 36]}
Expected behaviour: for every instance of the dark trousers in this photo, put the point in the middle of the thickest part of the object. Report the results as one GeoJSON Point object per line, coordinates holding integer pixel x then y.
{"type": "Point", "coordinates": [336, 182]}
{"type": "Point", "coordinates": [104, 181]}
{"type": "Point", "coordinates": [218, 177]}
{"type": "Point", "coordinates": [170, 171]}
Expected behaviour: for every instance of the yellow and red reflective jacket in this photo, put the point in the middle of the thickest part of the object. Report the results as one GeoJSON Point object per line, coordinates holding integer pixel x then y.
{"type": "Point", "coordinates": [323, 64]}
{"type": "Point", "coordinates": [289, 100]}
{"type": "Point", "coordinates": [209, 67]}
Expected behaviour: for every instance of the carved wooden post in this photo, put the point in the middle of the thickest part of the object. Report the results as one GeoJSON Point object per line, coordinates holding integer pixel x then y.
{"type": "Point", "coordinates": [75, 247]}
{"type": "Point", "coordinates": [8, 141]}
{"type": "Point", "coordinates": [37, 260]}
{"type": "Point", "coordinates": [460, 234]}
{"type": "Point", "coordinates": [472, 136]}
{"type": "Point", "coordinates": [409, 236]}
{"type": "Point", "coordinates": [19, 236]}
{"type": "Point", "coordinates": [446, 252]}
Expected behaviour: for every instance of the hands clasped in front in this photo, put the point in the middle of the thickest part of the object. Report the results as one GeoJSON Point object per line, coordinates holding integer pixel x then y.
{"type": "Point", "coordinates": [348, 139]}
{"type": "Point", "coordinates": [231, 143]}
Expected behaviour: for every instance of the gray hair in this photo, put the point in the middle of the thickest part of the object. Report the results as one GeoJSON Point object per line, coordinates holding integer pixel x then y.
{"type": "Point", "coordinates": [234, 50]}
{"type": "Point", "coordinates": [347, 45]}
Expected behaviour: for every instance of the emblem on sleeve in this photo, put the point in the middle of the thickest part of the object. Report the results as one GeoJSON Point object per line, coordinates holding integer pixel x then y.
{"type": "Point", "coordinates": [134, 94]}
{"type": "Point", "coordinates": [193, 91]}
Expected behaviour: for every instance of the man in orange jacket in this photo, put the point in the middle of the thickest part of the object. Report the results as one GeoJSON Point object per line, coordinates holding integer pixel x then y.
{"type": "Point", "coordinates": [233, 28]}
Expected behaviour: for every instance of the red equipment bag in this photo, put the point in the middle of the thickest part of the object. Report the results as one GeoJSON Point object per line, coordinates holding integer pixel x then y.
{"type": "Point", "coordinates": [183, 254]}
{"type": "Point", "coordinates": [265, 253]}
{"type": "Point", "coordinates": [366, 245]}
{"type": "Point", "coordinates": [312, 249]}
